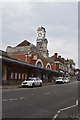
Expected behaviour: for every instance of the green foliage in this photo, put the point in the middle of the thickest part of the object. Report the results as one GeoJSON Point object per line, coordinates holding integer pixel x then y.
{"type": "Point", "coordinates": [71, 62]}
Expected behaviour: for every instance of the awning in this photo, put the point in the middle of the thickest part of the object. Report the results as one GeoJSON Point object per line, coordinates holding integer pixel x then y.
{"type": "Point", "coordinates": [12, 60]}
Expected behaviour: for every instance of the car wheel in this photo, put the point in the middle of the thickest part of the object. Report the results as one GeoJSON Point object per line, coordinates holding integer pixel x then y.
{"type": "Point", "coordinates": [40, 84]}
{"type": "Point", "coordinates": [33, 85]}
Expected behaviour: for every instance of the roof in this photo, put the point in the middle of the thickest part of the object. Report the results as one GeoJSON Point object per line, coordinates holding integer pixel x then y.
{"type": "Point", "coordinates": [3, 53]}
{"type": "Point", "coordinates": [58, 59]}
{"type": "Point", "coordinates": [40, 28]}
{"type": "Point", "coordinates": [12, 60]}
{"type": "Point", "coordinates": [24, 43]}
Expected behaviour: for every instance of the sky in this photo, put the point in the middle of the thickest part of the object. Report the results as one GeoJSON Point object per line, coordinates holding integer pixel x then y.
{"type": "Point", "coordinates": [20, 21]}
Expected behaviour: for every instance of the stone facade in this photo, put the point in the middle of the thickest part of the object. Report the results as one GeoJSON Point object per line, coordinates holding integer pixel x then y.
{"type": "Point", "coordinates": [41, 42]}
{"type": "Point", "coordinates": [37, 58]}
{"type": "Point", "coordinates": [23, 47]}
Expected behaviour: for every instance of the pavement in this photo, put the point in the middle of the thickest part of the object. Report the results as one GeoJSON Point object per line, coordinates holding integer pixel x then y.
{"type": "Point", "coordinates": [71, 112]}
{"type": "Point", "coordinates": [19, 86]}
{"type": "Point", "coordinates": [76, 114]}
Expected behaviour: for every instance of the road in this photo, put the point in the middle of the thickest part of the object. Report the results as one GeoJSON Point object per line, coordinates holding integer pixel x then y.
{"type": "Point", "coordinates": [39, 102]}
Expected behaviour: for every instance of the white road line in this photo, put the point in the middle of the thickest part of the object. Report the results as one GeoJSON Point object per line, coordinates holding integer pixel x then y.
{"type": "Point", "coordinates": [67, 108]}
{"type": "Point", "coordinates": [21, 98]}
{"type": "Point", "coordinates": [58, 112]}
{"type": "Point", "coordinates": [5, 100]}
{"type": "Point", "coordinates": [55, 116]}
{"type": "Point", "coordinates": [13, 99]}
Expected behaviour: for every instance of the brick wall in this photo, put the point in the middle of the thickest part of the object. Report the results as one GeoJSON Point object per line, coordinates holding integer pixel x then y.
{"type": "Point", "coordinates": [19, 56]}
{"type": "Point", "coordinates": [31, 61]}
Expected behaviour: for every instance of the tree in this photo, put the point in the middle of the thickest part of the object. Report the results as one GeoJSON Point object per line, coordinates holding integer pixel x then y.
{"type": "Point", "coordinates": [71, 62]}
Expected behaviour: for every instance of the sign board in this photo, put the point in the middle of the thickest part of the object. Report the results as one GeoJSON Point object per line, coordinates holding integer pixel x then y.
{"type": "Point", "coordinates": [35, 57]}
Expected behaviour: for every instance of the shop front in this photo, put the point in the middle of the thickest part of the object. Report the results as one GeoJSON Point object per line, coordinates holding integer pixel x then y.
{"type": "Point", "coordinates": [15, 71]}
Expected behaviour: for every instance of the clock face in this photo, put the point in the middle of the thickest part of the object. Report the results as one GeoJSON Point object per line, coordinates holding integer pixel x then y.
{"type": "Point", "coordinates": [39, 34]}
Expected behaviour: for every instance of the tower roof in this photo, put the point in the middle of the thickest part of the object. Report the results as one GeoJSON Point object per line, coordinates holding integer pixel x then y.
{"type": "Point", "coordinates": [40, 28]}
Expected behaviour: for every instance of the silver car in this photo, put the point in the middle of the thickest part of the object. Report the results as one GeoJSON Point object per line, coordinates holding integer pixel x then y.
{"type": "Point", "coordinates": [66, 80]}
{"type": "Point", "coordinates": [60, 80]}
{"type": "Point", "coordinates": [31, 82]}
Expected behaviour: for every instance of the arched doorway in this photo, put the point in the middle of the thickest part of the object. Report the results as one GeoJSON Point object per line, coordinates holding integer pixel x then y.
{"type": "Point", "coordinates": [39, 64]}
{"type": "Point", "coordinates": [48, 75]}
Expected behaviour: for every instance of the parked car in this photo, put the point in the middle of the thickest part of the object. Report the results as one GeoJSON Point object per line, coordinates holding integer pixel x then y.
{"type": "Point", "coordinates": [78, 77]}
{"type": "Point", "coordinates": [32, 81]}
{"type": "Point", "coordinates": [60, 80]}
{"type": "Point", "coordinates": [66, 80]}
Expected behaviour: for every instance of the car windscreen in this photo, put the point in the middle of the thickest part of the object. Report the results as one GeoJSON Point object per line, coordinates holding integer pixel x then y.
{"type": "Point", "coordinates": [60, 78]}
{"type": "Point", "coordinates": [64, 78]}
{"type": "Point", "coordinates": [30, 79]}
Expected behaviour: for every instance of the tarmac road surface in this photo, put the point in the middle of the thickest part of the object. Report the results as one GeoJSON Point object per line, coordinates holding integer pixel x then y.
{"type": "Point", "coordinates": [39, 102]}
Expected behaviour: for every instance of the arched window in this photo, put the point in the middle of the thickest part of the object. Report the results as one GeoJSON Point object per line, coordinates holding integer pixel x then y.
{"type": "Point", "coordinates": [39, 64]}
{"type": "Point", "coordinates": [48, 67]}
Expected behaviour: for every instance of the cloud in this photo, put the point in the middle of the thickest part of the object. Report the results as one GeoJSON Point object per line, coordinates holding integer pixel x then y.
{"type": "Point", "coordinates": [65, 48]}
{"type": "Point", "coordinates": [20, 21]}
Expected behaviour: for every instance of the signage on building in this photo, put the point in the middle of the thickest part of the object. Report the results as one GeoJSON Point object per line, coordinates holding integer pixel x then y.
{"type": "Point", "coordinates": [35, 57]}
{"type": "Point", "coordinates": [29, 55]}
{"type": "Point", "coordinates": [61, 71]}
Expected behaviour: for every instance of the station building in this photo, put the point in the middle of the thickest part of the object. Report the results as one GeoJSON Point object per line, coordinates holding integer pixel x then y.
{"type": "Point", "coordinates": [27, 60]}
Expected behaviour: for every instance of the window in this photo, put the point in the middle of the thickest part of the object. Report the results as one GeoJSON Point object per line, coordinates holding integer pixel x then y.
{"type": "Point", "coordinates": [19, 76]}
{"type": "Point", "coordinates": [22, 76]}
{"type": "Point", "coordinates": [12, 74]}
{"type": "Point", "coordinates": [15, 75]}
{"type": "Point", "coordinates": [48, 67]}
{"type": "Point", "coordinates": [39, 64]}
{"type": "Point", "coordinates": [25, 76]}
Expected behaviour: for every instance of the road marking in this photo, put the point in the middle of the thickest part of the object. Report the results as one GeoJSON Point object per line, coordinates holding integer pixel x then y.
{"type": "Point", "coordinates": [11, 99]}
{"type": "Point", "coordinates": [21, 98]}
{"type": "Point", "coordinates": [56, 115]}
{"type": "Point", "coordinates": [4, 100]}
{"type": "Point", "coordinates": [67, 108]}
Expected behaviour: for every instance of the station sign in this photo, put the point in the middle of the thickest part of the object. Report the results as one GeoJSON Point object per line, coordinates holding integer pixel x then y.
{"type": "Point", "coordinates": [35, 57]}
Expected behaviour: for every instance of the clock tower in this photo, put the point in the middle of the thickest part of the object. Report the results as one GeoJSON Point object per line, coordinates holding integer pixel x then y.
{"type": "Point", "coordinates": [41, 42]}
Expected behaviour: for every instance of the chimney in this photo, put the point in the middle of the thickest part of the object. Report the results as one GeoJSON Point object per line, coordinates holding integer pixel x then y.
{"type": "Point", "coordinates": [59, 56]}
{"type": "Point", "coordinates": [55, 55]}
{"type": "Point", "coordinates": [63, 59]}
